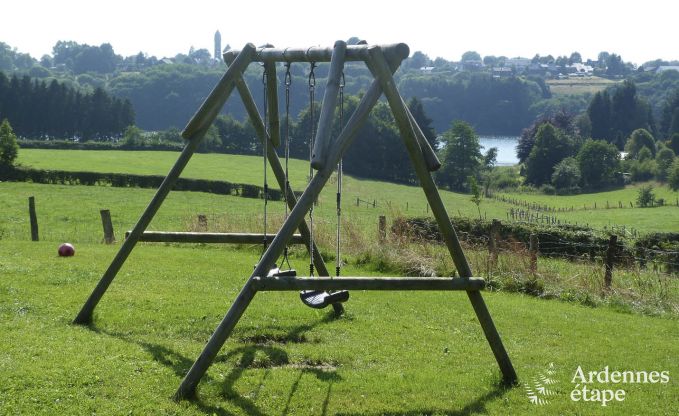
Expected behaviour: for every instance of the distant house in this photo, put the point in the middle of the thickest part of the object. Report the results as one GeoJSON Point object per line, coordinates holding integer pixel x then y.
{"type": "Point", "coordinates": [472, 65]}
{"type": "Point", "coordinates": [663, 68]}
{"type": "Point", "coordinates": [427, 69]}
{"type": "Point", "coordinates": [581, 69]}
{"type": "Point", "coordinates": [519, 64]}
{"type": "Point", "coordinates": [502, 72]}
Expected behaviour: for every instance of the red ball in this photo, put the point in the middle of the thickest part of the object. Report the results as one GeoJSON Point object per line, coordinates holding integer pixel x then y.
{"type": "Point", "coordinates": [66, 250]}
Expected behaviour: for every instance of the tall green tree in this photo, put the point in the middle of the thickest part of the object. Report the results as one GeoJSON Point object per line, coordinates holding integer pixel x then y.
{"type": "Point", "coordinates": [639, 139]}
{"type": "Point", "coordinates": [9, 148]}
{"type": "Point", "coordinates": [598, 162]}
{"type": "Point", "coordinates": [599, 112]}
{"type": "Point", "coordinates": [551, 146]}
{"type": "Point", "coordinates": [461, 156]}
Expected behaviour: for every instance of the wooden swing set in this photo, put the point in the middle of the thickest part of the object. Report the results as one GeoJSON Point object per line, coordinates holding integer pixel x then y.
{"type": "Point", "coordinates": [326, 154]}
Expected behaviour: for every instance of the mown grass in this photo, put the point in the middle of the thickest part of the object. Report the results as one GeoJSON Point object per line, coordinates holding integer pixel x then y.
{"type": "Point", "coordinates": [400, 353]}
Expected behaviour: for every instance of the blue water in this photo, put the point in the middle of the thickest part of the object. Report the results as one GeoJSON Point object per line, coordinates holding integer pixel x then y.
{"type": "Point", "coordinates": [506, 148]}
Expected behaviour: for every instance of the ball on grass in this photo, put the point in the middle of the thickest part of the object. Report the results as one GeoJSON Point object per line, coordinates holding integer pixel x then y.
{"type": "Point", "coordinates": [66, 250]}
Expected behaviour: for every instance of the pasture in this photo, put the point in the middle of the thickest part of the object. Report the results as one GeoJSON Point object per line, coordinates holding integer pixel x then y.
{"type": "Point", "coordinates": [390, 198]}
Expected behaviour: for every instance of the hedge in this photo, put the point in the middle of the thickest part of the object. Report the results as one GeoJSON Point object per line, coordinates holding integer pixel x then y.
{"type": "Point", "coordinates": [124, 180]}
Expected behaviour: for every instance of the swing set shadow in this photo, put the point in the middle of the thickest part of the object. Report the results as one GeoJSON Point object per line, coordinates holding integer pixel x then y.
{"type": "Point", "coordinates": [326, 153]}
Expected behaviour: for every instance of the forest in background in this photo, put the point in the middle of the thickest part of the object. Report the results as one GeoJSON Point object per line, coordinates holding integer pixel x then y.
{"type": "Point", "coordinates": [165, 92]}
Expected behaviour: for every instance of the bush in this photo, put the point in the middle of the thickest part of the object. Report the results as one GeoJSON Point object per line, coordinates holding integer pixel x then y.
{"type": "Point", "coordinates": [645, 197]}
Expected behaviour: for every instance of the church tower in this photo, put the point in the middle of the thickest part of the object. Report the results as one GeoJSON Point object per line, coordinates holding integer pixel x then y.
{"type": "Point", "coordinates": [218, 46]}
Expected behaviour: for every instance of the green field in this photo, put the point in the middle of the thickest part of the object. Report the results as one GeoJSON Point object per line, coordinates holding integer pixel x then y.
{"type": "Point", "coordinates": [391, 199]}
{"type": "Point", "coordinates": [397, 353]}
{"type": "Point", "coordinates": [579, 86]}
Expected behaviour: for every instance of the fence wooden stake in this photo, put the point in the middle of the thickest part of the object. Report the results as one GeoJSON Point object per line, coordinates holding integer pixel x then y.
{"type": "Point", "coordinates": [34, 218]}
{"type": "Point", "coordinates": [610, 257]}
{"type": "Point", "coordinates": [493, 240]}
{"type": "Point", "coordinates": [109, 238]}
{"type": "Point", "coordinates": [533, 249]}
{"type": "Point", "coordinates": [202, 222]}
{"type": "Point", "coordinates": [383, 228]}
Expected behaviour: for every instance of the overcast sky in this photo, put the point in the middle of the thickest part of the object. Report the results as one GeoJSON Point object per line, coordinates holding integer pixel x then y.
{"type": "Point", "coordinates": [638, 31]}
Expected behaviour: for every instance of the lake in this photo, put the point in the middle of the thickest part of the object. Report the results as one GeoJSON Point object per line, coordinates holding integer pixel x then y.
{"type": "Point", "coordinates": [506, 148]}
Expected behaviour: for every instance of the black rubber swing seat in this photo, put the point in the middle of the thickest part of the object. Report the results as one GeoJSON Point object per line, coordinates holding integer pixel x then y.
{"type": "Point", "coordinates": [319, 299]}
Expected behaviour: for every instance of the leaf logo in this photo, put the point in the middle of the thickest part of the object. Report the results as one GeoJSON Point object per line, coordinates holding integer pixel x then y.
{"type": "Point", "coordinates": [538, 391]}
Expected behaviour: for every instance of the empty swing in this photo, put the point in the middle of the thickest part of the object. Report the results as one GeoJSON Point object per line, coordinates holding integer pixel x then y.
{"type": "Point", "coordinates": [320, 299]}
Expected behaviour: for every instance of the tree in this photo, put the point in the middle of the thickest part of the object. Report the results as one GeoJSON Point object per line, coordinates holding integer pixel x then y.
{"type": "Point", "coordinates": [575, 58]}
{"type": "Point", "coordinates": [461, 156]}
{"type": "Point", "coordinates": [664, 160]}
{"type": "Point", "coordinates": [673, 175]}
{"type": "Point", "coordinates": [561, 120]}
{"type": "Point", "coordinates": [599, 112]}
{"type": "Point", "coordinates": [639, 139]}
{"type": "Point", "coordinates": [598, 162]}
{"type": "Point", "coordinates": [470, 56]}
{"type": "Point", "coordinates": [674, 143]}
{"type": "Point", "coordinates": [9, 148]}
{"type": "Point", "coordinates": [551, 146]}
{"type": "Point", "coordinates": [476, 194]}
{"type": "Point", "coordinates": [566, 174]}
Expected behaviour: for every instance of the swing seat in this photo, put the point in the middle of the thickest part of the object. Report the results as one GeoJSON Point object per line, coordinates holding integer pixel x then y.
{"type": "Point", "coordinates": [277, 272]}
{"type": "Point", "coordinates": [319, 299]}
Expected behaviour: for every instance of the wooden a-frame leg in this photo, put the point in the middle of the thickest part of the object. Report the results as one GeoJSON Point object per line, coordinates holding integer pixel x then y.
{"type": "Point", "coordinates": [382, 73]}
{"type": "Point", "coordinates": [200, 122]}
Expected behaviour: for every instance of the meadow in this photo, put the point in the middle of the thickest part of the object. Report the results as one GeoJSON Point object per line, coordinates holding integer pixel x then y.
{"type": "Point", "coordinates": [578, 86]}
{"type": "Point", "coordinates": [395, 353]}
{"type": "Point", "coordinates": [390, 198]}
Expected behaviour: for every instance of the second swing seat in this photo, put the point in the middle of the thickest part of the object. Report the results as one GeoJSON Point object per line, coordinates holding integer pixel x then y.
{"type": "Point", "coordinates": [319, 299]}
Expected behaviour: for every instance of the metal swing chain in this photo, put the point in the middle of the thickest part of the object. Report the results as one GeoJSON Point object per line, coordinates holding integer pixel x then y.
{"type": "Point", "coordinates": [312, 90]}
{"type": "Point", "coordinates": [338, 260]}
{"type": "Point", "coordinates": [265, 146]}
{"type": "Point", "coordinates": [288, 82]}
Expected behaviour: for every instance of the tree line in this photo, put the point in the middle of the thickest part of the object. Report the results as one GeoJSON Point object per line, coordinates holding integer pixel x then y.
{"type": "Point", "coordinates": [38, 109]}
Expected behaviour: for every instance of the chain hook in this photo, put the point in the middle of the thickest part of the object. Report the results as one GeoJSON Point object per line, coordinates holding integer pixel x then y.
{"type": "Point", "coordinates": [288, 76]}
{"type": "Point", "coordinates": [312, 76]}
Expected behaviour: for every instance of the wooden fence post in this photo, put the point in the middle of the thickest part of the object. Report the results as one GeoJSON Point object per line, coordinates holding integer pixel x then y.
{"type": "Point", "coordinates": [493, 241]}
{"type": "Point", "coordinates": [383, 228]}
{"type": "Point", "coordinates": [109, 238]}
{"type": "Point", "coordinates": [202, 222]}
{"type": "Point", "coordinates": [610, 257]}
{"type": "Point", "coordinates": [33, 217]}
{"type": "Point", "coordinates": [533, 249]}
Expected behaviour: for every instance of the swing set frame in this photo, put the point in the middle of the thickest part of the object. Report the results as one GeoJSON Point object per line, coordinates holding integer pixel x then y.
{"type": "Point", "coordinates": [382, 61]}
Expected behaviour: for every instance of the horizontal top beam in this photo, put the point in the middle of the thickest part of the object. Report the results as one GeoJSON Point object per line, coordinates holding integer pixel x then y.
{"type": "Point", "coordinates": [319, 54]}
{"type": "Point", "coordinates": [367, 283]}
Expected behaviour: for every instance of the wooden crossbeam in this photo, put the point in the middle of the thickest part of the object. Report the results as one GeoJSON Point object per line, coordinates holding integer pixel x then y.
{"type": "Point", "coordinates": [211, 238]}
{"type": "Point", "coordinates": [366, 283]}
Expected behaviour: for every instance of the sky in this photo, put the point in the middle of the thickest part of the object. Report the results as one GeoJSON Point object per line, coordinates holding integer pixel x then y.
{"type": "Point", "coordinates": [638, 31]}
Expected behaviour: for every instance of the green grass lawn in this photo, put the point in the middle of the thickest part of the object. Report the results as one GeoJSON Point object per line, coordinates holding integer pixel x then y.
{"type": "Point", "coordinates": [395, 353]}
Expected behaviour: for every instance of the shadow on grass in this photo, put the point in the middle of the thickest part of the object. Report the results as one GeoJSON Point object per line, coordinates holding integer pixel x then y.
{"type": "Point", "coordinates": [273, 357]}
{"type": "Point", "coordinates": [266, 356]}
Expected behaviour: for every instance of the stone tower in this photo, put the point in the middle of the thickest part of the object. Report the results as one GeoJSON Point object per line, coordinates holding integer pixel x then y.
{"type": "Point", "coordinates": [218, 46]}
